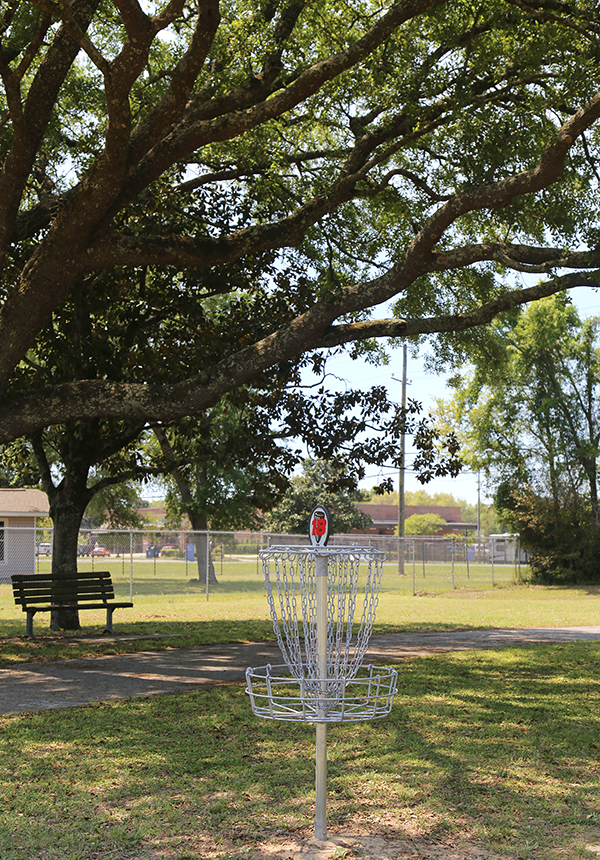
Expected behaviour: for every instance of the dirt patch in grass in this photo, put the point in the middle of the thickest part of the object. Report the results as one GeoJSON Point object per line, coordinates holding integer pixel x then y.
{"type": "Point", "coordinates": [357, 847]}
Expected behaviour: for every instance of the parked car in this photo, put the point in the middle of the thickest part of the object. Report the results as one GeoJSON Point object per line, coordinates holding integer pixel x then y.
{"type": "Point", "coordinates": [83, 549]}
{"type": "Point", "coordinates": [44, 549]}
{"type": "Point", "coordinates": [100, 551]}
{"type": "Point", "coordinates": [170, 551]}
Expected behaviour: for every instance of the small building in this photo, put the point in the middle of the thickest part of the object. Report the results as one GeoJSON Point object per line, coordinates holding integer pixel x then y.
{"type": "Point", "coordinates": [385, 518]}
{"type": "Point", "coordinates": [506, 549]}
{"type": "Point", "coordinates": [18, 512]}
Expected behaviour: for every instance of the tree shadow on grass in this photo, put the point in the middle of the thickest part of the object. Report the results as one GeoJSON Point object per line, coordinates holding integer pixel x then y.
{"type": "Point", "coordinates": [167, 586]}
{"type": "Point", "coordinates": [500, 745]}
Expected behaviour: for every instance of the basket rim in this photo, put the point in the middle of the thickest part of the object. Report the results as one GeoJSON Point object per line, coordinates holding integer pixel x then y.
{"type": "Point", "coordinates": [309, 550]}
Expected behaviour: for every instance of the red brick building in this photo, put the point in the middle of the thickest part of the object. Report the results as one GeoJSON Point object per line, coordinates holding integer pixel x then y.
{"type": "Point", "coordinates": [385, 517]}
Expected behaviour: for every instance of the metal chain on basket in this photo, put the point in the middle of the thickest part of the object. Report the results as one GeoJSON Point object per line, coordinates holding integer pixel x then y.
{"type": "Point", "coordinates": [372, 586]}
{"type": "Point", "coordinates": [289, 643]}
{"type": "Point", "coordinates": [296, 598]}
{"type": "Point", "coordinates": [295, 570]}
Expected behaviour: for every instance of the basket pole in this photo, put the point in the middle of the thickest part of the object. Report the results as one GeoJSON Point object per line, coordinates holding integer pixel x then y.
{"type": "Point", "coordinates": [321, 727]}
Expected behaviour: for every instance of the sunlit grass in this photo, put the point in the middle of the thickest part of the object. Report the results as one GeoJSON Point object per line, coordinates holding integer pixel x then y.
{"type": "Point", "coordinates": [170, 602]}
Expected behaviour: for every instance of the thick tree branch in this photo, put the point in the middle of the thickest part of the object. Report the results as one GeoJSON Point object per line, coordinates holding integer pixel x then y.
{"type": "Point", "coordinates": [520, 258]}
{"type": "Point", "coordinates": [37, 111]}
{"type": "Point", "coordinates": [159, 120]}
{"type": "Point", "coordinates": [180, 251]}
{"type": "Point", "coordinates": [162, 403]}
{"type": "Point", "coordinates": [482, 315]}
{"type": "Point", "coordinates": [126, 475]}
{"type": "Point", "coordinates": [232, 120]}
{"type": "Point", "coordinates": [63, 13]}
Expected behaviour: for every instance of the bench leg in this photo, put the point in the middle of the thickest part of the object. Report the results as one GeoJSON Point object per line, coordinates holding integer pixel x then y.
{"type": "Point", "coordinates": [29, 626]}
{"type": "Point", "coordinates": [109, 615]}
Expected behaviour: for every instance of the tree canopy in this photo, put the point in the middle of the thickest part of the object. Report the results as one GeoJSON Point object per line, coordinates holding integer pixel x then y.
{"type": "Point", "coordinates": [407, 155]}
{"type": "Point", "coordinates": [532, 416]}
{"type": "Point", "coordinates": [321, 482]}
{"type": "Point", "coordinates": [531, 419]}
{"type": "Point", "coordinates": [423, 524]}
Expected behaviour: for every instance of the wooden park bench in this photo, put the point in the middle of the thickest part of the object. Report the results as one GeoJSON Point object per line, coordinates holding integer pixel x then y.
{"type": "Point", "coordinates": [39, 592]}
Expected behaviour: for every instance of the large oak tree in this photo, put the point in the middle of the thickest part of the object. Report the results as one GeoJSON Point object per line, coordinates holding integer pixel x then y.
{"type": "Point", "coordinates": [412, 152]}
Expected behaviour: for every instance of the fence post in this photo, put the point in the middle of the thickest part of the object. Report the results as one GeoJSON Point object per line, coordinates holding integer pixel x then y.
{"type": "Point", "coordinates": [414, 586]}
{"type": "Point", "coordinates": [130, 566]}
{"type": "Point", "coordinates": [207, 561]}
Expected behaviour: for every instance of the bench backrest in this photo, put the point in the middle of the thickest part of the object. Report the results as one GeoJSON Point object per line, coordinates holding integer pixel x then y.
{"type": "Point", "coordinates": [32, 588]}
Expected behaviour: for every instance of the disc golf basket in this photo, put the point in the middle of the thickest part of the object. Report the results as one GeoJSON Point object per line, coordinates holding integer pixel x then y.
{"type": "Point", "coordinates": [314, 595]}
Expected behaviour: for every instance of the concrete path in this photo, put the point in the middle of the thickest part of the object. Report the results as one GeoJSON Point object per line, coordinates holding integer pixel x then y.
{"type": "Point", "coordinates": [65, 683]}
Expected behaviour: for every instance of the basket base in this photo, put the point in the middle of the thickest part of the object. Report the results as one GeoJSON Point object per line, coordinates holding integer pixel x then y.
{"type": "Point", "coordinates": [276, 695]}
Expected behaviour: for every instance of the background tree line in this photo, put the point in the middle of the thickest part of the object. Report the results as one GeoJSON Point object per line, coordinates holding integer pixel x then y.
{"type": "Point", "coordinates": [528, 415]}
{"type": "Point", "coordinates": [490, 520]}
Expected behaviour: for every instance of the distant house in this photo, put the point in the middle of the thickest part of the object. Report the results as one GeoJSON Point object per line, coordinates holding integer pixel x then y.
{"type": "Point", "coordinates": [18, 512]}
{"type": "Point", "coordinates": [385, 517]}
{"type": "Point", "coordinates": [155, 514]}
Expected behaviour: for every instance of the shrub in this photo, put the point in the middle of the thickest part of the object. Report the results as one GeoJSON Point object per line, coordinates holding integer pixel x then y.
{"type": "Point", "coordinates": [171, 552]}
{"type": "Point", "coordinates": [562, 540]}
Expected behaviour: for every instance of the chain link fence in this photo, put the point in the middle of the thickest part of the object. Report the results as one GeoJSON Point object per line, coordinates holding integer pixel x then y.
{"type": "Point", "coordinates": [162, 562]}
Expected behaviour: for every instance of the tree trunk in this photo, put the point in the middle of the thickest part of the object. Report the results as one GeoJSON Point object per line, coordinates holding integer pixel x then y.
{"type": "Point", "coordinates": [201, 537]}
{"type": "Point", "coordinates": [68, 501]}
{"type": "Point", "coordinates": [198, 520]}
{"type": "Point", "coordinates": [66, 517]}
{"type": "Point", "coordinates": [590, 466]}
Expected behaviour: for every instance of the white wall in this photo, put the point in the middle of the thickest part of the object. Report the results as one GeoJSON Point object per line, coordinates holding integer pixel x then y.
{"type": "Point", "coordinates": [19, 546]}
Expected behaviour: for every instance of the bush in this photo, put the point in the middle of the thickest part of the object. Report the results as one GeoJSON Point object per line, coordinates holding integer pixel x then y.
{"type": "Point", "coordinates": [423, 524]}
{"type": "Point", "coordinates": [563, 541]}
{"type": "Point", "coordinates": [171, 552]}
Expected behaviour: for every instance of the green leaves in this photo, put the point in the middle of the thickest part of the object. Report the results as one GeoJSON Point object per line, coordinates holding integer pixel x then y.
{"type": "Point", "coordinates": [532, 421]}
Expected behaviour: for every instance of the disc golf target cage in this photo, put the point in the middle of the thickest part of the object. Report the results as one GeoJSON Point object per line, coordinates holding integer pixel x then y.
{"type": "Point", "coordinates": [314, 595]}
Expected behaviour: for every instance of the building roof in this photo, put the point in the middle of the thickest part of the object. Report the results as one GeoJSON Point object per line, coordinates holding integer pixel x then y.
{"type": "Point", "coordinates": [385, 517]}
{"type": "Point", "coordinates": [389, 513]}
{"type": "Point", "coordinates": [23, 503]}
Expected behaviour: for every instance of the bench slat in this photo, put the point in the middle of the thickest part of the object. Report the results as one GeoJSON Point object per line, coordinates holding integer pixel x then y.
{"type": "Point", "coordinates": [49, 606]}
{"type": "Point", "coordinates": [63, 585]}
{"type": "Point", "coordinates": [28, 581]}
{"type": "Point", "coordinates": [82, 588]}
{"type": "Point", "coordinates": [91, 574]}
{"type": "Point", "coordinates": [64, 596]}
{"type": "Point", "coordinates": [57, 599]}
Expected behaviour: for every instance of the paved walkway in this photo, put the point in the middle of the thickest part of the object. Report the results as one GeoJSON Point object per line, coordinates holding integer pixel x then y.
{"type": "Point", "coordinates": [65, 683]}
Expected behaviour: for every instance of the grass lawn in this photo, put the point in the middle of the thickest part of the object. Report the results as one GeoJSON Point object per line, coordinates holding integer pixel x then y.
{"type": "Point", "coordinates": [169, 603]}
{"type": "Point", "coordinates": [496, 750]}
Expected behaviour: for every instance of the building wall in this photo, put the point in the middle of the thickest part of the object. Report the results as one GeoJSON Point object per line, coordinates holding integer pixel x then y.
{"type": "Point", "coordinates": [385, 517]}
{"type": "Point", "coordinates": [19, 546]}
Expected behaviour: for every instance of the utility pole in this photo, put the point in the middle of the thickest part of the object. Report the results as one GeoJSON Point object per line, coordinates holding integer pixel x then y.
{"type": "Point", "coordinates": [401, 471]}
{"type": "Point", "coordinates": [479, 515]}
